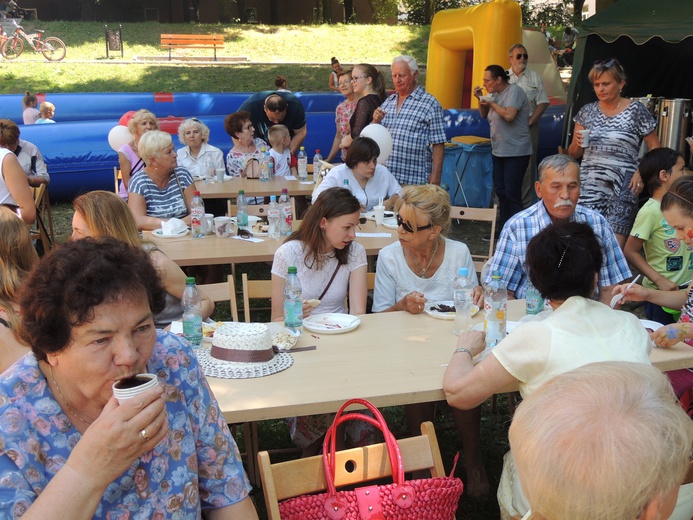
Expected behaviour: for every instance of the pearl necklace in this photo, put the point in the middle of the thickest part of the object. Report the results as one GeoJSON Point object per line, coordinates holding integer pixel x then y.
{"type": "Point", "coordinates": [70, 409]}
{"type": "Point", "coordinates": [433, 255]}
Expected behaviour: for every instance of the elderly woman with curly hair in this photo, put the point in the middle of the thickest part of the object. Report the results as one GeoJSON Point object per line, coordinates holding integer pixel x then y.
{"type": "Point", "coordinates": [17, 258]}
{"type": "Point", "coordinates": [129, 157]}
{"type": "Point", "coordinates": [194, 135]}
{"type": "Point", "coordinates": [243, 160]}
{"type": "Point", "coordinates": [70, 449]}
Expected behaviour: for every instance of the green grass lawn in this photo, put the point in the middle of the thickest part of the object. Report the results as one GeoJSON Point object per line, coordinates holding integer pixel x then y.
{"type": "Point", "coordinates": [302, 53]}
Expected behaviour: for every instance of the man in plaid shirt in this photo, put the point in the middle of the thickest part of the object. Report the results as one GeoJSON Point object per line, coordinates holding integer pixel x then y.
{"type": "Point", "coordinates": [415, 121]}
{"type": "Point", "coordinates": [558, 188]}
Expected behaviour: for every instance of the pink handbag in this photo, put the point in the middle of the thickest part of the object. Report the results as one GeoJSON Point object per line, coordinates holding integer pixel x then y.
{"type": "Point", "coordinates": [426, 499]}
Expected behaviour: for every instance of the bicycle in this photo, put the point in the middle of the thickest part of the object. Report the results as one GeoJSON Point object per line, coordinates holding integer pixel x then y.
{"type": "Point", "coordinates": [51, 47]}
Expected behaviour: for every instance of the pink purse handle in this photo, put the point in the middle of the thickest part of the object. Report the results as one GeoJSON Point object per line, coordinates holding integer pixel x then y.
{"type": "Point", "coordinates": [329, 447]}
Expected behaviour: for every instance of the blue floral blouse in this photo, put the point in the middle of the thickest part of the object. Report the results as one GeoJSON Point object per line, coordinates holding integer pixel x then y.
{"type": "Point", "coordinates": [197, 466]}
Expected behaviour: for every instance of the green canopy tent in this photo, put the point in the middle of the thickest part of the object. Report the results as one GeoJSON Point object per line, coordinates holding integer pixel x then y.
{"type": "Point", "coordinates": [652, 39]}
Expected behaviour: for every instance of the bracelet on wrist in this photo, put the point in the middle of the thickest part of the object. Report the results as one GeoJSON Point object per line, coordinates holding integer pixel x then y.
{"type": "Point", "coordinates": [462, 349]}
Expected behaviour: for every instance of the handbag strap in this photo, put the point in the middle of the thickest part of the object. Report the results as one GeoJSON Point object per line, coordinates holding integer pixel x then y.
{"type": "Point", "coordinates": [329, 443]}
{"type": "Point", "coordinates": [330, 282]}
{"type": "Point", "coordinates": [180, 187]}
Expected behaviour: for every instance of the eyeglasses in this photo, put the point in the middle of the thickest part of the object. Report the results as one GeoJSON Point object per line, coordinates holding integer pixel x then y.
{"type": "Point", "coordinates": [274, 109]}
{"type": "Point", "coordinates": [244, 233]}
{"type": "Point", "coordinates": [408, 228]}
{"type": "Point", "coordinates": [605, 64]}
{"type": "Point", "coordinates": [520, 56]}
{"type": "Point", "coordinates": [344, 83]}
{"type": "Point", "coordinates": [354, 79]}
{"type": "Point", "coordinates": [363, 220]}
{"type": "Point", "coordinates": [248, 127]}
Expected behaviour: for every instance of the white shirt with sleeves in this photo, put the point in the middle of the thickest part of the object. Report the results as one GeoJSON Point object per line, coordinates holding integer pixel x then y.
{"type": "Point", "coordinates": [313, 281]}
{"type": "Point", "coordinates": [394, 279]}
{"type": "Point", "coordinates": [382, 184]}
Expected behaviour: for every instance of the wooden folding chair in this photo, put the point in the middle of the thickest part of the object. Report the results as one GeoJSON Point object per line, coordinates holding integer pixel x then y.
{"type": "Point", "coordinates": [479, 214]}
{"type": "Point", "coordinates": [222, 292]}
{"type": "Point", "coordinates": [258, 210]}
{"type": "Point", "coordinates": [254, 289]}
{"type": "Point", "coordinates": [299, 477]}
{"type": "Point", "coordinates": [43, 227]}
{"type": "Point", "coordinates": [117, 177]}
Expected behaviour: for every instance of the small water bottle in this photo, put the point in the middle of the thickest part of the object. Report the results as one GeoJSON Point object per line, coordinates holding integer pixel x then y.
{"type": "Point", "coordinates": [293, 304]}
{"type": "Point", "coordinates": [209, 169]}
{"type": "Point", "coordinates": [273, 218]}
{"type": "Point", "coordinates": [463, 295]}
{"type": "Point", "coordinates": [270, 165]}
{"type": "Point", "coordinates": [317, 162]}
{"type": "Point", "coordinates": [242, 213]}
{"type": "Point", "coordinates": [197, 216]}
{"type": "Point", "coordinates": [264, 171]}
{"type": "Point", "coordinates": [192, 313]}
{"type": "Point", "coordinates": [495, 305]}
{"type": "Point", "coordinates": [533, 299]}
{"type": "Point", "coordinates": [302, 164]}
{"type": "Point", "coordinates": [286, 219]}
{"type": "Point", "coordinates": [346, 185]}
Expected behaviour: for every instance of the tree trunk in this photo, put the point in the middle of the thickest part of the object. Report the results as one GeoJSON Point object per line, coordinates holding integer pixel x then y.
{"type": "Point", "coordinates": [348, 10]}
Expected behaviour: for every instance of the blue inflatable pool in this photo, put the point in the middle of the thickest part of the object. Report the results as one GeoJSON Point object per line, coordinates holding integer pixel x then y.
{"type": "Point", "coordinates": [80, 159]}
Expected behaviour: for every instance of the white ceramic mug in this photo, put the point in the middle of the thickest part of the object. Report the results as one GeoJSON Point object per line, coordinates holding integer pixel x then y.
{"type": "Point", "coordinates": [222, 227]}
{"type": "Point", "coordinates": [585, 138]}
{"type": "Point", "coordinates": [209, 224]}
{"type": "Point", "coordinates": [379, 215]}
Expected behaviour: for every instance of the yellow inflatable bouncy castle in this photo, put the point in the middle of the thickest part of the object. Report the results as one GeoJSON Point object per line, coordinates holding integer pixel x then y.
{"type": "Point", "coordinates": [463, 42]}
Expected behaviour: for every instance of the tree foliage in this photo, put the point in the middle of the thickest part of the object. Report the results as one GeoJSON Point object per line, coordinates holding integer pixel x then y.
{"type": "Point", "coordinates": [420, 12]}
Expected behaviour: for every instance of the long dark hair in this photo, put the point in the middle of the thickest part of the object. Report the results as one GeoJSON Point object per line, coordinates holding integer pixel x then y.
{"type": "Point", "coordinates": [331, 203]}
{"type": "Point", "coordinates": [378, 80]}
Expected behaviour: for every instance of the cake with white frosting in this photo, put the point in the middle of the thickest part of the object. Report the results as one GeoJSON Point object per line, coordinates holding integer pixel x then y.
{"type": "Point", "coordinates": [242, 336]}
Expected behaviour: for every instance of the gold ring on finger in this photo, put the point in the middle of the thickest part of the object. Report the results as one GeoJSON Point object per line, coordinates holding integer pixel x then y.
{"type": "Point", "coordinates": [144, 435]}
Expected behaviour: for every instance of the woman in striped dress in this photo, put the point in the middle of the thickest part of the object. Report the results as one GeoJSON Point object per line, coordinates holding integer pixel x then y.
{"type": "Point", "coordinates": [610, 183]}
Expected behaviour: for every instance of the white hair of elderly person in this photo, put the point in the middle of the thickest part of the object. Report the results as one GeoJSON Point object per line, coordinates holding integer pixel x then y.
{"type": "Point", "coordinates": [606, 441]}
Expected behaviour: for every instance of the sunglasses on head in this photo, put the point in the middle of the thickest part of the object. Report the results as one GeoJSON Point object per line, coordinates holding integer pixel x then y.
{"type": "Point", "coordinates": [408, 228]}
{"type": "Point", "coordinates": [244, 233]}
{"type": "Point", "coordinates": [605, 64]}
{"type": "Point", "coordinates": [520, 56]}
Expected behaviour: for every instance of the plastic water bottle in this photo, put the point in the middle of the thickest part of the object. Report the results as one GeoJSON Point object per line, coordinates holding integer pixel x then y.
{"type": "Point", "coordinates": [293, 305]}
{"type": "Point", "coordinates": [495, 305]}
{"type": "Point", "coordinates": [273, 218]}
{"type": "Point", "coordinates": [242, 213]}
{"type": "Point", "coordinates": [317, 163]}
{"type": "Point", "coordinates": [197, 216]}
{"type": "Point", "coordinates": [346, 185]}
{"type": "Point", "coordinates": [463, 297]}
{"type": "Point", "coordinates": [270, 165]}
{"type": "Point", "coordinates": [286, 219]}
{"type": "Point", "coordinates": [209, 169]}
{"type": "Point", "coordinates": [533, 299]}
{"type": "Point", "coordinates": [264, 171]}
{"type": "Point", "coordinates": [302, 164]}
{"type": "Point", "coordinates": [192, 313]}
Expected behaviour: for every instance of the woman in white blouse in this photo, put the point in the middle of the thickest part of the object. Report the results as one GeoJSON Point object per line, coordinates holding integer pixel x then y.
{"type": "Point", "coordinates": [194, 135]}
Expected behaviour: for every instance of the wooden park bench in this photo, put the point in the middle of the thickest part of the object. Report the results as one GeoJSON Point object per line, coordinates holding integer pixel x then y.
{"type": "Point", "coordinates": [192, 41]}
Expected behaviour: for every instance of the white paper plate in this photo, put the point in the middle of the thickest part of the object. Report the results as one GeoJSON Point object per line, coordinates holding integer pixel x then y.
{"type": "Point", "coordinates": [370, 215]}
{"type": "Point", "coordinates": [331, 323]}
{"type": "Point", "coordinates": [252, 219]}
{"type": "Point", "coordinates": [649, 324]}
{"type": "Point", "coordinates": [390, 223]}
{"type": "Point", "coordinates": [488, 98]}
{"type": "Point", "coordinates": [158, 233]}
{"type": "Point", "coordinates": [445, 315]}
